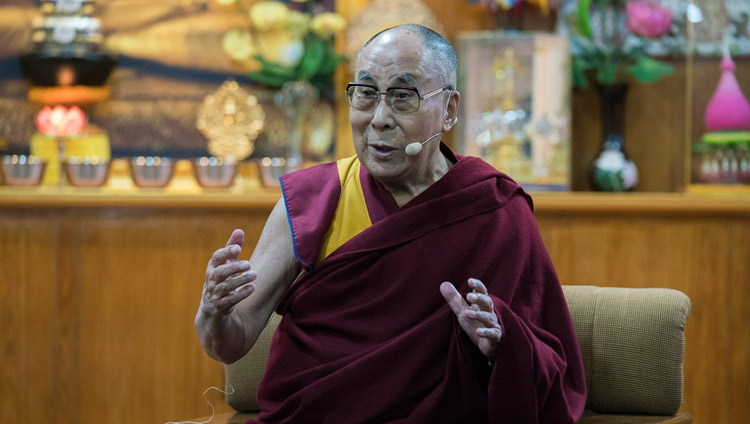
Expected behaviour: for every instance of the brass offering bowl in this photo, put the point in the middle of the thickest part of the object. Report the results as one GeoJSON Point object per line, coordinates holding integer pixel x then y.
{"type": "Point", "coordinates": [271, 169]}
{"type": "Point", "coordinates": [151, 171]}
{"type": "Point", "coordinates": [21, 170]}
{"type": "Point", "coordinates": [213, 172]}
{"type": "Point", "coordinates": [86, 171]}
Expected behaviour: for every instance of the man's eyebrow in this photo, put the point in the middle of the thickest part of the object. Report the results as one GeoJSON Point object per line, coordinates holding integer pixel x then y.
{"type": "Point", "coordinates": [365, 76]}
{"type": "Point", "coordinates": [399, 79]}
{"type": "Point", "coordinates": [406, 79]}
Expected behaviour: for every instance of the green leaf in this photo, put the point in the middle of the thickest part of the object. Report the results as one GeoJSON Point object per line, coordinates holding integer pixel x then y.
{"type": "Point", "coordinates": [315, 52]}
{"type": "Point", "coordinates": [330, 61]}
{"type": "Point", "coordinates": [649, 70]}
{"type": "Point", "coordinates": [328, 67]}
{"type": "Point", "coordinates": [584, 18]}
{"type": "Point", "coordinates": [273, 69]}
{"type": "Point", "coordinates": [580, 66]}
{"type": "Point", "coordinates": [266, 79]}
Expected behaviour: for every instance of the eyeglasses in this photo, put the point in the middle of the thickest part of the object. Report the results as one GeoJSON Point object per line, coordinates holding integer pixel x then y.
{"type": "Point", "coordinates": [366, 97]}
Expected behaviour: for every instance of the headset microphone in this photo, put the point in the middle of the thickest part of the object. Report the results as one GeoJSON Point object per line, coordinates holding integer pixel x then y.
{"type": "Point", "coordinates": [412, 149]}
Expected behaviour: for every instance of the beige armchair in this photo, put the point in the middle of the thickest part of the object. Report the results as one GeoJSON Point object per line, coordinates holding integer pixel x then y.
{"type": "Point", "coordinates": [631, 340]}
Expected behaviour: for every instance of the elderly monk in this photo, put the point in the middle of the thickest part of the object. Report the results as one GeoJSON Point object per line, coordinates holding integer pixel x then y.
{"type": "Point", "coordinates": [413, 283]}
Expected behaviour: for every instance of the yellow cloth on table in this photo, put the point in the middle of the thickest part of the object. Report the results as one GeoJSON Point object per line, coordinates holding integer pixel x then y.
{"type": "Point", "coordinates": [93, 145]}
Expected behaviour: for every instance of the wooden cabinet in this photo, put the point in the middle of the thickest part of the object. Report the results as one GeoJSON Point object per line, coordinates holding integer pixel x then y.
{"type": "Point", "coordinates": [98, 292]}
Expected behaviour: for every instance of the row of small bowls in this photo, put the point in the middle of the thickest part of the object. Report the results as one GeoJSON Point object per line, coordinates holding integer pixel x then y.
{"type": "Point", "coordinates": [146, 171]}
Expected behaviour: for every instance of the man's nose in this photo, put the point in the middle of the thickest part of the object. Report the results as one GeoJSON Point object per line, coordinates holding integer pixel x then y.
{"type": "Point", "coordinates": [382, 116]}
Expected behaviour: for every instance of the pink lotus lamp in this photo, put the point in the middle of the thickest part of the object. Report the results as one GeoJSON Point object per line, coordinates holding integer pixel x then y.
{"type": "Point", "coordinates": [60, 122]}
{"type": "Point", "coordinates": [728, 109]}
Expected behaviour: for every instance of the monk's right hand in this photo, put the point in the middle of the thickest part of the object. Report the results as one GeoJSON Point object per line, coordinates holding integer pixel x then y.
{"type": "Point", "coordinates": [228, 279]}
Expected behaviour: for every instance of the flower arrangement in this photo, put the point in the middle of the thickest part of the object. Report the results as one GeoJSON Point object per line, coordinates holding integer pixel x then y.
{"type": "Point", "coordinates": [609, 40]}
{"type": "Point", "coordinates": [285, 41]}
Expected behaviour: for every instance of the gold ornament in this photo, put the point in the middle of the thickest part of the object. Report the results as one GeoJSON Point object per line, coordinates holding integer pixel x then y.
{"type": "Point", "coordinates": [231, 120]}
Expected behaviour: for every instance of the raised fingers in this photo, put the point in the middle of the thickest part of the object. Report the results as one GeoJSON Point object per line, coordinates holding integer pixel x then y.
{"type": "Point", "coordinates": [227, 278]}
{"type": "Point", "coordinates": [225, 254]}
{"type": "Point", "coordinates": [224, 304]}
{"type": "Point", "coordinates": [220, 285]}
{"type": "Point", "coordinates": [491, 333]}
{"type": "Point", "coordinates": [487, 319]}
{"type": "Point", "coordinates": [237, 237]}
{"type": "Point", "coordinates": [476, 315]}
{"type": "Point", "coordinates": [481, 301]}
{"type": "Point", "coordinates": [453, 297]}
{"type": "Point", "coordinates": [230, 252]}
{"type": "Point", "coordinates": [222, 272]}
{"type": "Point", "coordinates": [477, 286]}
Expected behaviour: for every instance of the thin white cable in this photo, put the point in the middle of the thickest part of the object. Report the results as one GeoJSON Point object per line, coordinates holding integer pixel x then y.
{"type": "Point", "coordinates": [213, 410]}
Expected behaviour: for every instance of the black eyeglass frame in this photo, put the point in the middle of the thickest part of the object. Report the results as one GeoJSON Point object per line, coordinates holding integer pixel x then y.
{"type": "Point", "coordinates": [385, 93]}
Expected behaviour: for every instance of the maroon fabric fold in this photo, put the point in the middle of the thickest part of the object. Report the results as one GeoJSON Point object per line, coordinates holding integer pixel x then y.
{"type": "Point", "coordinates": [366, 336]}
{"type": "Point", "coordinates": [313, 204]}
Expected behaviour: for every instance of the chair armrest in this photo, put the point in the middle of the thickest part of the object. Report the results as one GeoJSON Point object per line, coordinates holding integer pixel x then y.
{"type": "Point", "coordinates": [632, 344]}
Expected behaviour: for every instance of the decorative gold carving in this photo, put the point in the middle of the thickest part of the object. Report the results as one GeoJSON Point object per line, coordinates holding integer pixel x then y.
{"type": "Point", "coordinates": [231, 120]}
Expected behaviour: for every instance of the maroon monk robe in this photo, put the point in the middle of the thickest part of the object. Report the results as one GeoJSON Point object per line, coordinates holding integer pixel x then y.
{"type": "Point", "coordinates": [366, 336]}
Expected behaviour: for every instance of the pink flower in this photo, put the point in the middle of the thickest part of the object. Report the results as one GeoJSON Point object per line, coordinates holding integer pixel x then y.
{"type": "Point", "coordinates": [490, 5]}
{"type": "Point", "coordinates": [648, 18]}
{"type": "Point", "coordinates": [60, 121]}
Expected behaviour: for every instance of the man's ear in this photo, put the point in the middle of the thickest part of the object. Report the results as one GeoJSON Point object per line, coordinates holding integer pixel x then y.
{"type": "Point", "coordinates": [451, 111]}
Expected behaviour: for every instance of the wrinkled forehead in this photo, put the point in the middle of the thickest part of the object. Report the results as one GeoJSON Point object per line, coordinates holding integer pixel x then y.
{"type": "Point", "coordinates": [394, 58]}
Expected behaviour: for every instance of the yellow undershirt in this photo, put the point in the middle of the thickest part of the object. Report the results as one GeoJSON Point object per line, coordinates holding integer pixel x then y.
{"type": "Point", "coordinates": [351, 215]}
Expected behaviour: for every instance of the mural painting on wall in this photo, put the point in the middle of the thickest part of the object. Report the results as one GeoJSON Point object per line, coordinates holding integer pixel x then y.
{"type": "Point", "coordinates": [169, 59]}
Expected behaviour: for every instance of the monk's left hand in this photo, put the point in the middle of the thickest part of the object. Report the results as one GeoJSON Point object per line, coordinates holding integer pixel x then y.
{"type": "Point", "coordinates": [476, 316]}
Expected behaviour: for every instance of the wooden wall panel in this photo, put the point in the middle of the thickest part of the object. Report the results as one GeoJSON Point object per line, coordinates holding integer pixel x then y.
{"type": "Point", "coordinates": [137, 322]}
{"type": "Point", "coordinates": [28, 319]}
{"type": "Point", "coordinates": [97, 309]}
{"type": "Point", "coordinates": [739, 324]}
{"type": "Point", "coordinates": [68, 364]}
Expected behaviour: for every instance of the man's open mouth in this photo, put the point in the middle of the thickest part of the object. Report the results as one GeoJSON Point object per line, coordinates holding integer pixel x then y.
{"type": "Point", "coordinates": [383, 148]}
